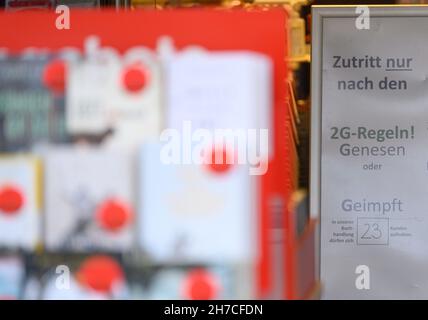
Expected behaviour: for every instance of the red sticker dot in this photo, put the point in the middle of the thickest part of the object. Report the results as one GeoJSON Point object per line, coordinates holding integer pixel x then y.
{"type": "Point", "coordinates": [135, 78]}
{"type": "Point", "coordinates": [200, 285]}
{"type": "Point", "coordinates": [54, 76]}
{"type": "Point", "coordinates": [218, 161]}
{"type": "Point", "coordinates": [113, 215]}
{"type": "Point", "coordinates": [11, 200]}
{"type": "Point", "coordinates": [100, 273]}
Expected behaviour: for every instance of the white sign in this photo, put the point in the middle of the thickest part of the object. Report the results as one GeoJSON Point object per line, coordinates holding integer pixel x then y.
{"type": "Point", "coordinates": [369, 169]}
